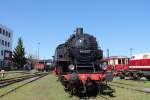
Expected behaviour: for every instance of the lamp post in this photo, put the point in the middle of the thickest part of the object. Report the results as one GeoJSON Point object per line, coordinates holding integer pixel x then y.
{"type": "Point", "coordinates": [131, 50]}
{"type": "Point", "coordinates": [38, 50]}
{"type": "Point", "coordinates": [108, 55]}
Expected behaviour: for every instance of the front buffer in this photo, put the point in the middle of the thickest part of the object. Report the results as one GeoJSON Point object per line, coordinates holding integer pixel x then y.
{"type": "Point", "coordinates": [86, 83]}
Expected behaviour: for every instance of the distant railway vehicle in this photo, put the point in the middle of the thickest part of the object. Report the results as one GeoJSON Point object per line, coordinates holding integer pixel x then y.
{"type": "Point", "coordinates": [44, 65]}
{"type": "Point", "coordinates": [40, 66]}
{"type": "Point", "coordinates": [77, 64]}
{"type": "Point", "coordinates": [137, 67]}
{"type": "Point", "coordinates": [116, 64]}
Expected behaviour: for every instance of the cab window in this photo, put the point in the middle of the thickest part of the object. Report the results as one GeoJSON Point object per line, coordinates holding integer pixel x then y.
{"type": "Point", "coordinates": [123, 61]}
{"type": "Point", "coordinates": [119, 61]}
{"type": "Point", "coordinates": [145, 56]}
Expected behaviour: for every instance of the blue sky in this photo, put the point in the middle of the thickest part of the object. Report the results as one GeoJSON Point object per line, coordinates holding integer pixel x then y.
{"type": "Point", "coordinates": [117, 24]}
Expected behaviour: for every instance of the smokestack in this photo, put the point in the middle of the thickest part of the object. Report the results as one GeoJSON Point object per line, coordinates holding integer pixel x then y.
{"type": "Point", "coordinates": [79, 31]}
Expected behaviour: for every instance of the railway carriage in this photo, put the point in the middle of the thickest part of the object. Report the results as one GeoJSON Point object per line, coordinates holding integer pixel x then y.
{"type": "Point", "coordinates": [116, 64]}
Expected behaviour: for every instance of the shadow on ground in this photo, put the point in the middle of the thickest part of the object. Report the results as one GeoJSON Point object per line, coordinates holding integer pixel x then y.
{"type": "Point", "coordinates": [95, 93]}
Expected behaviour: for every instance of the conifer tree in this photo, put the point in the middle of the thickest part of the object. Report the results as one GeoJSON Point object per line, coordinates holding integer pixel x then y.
{"type": "Point", "coordinates": [19, 55]}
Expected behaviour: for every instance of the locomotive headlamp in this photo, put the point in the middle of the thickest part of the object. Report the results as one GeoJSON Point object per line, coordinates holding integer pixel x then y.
{"type": "Point", "coordinates": [71, 67]}
{"type": "Point", "coordinates": [80, 41]}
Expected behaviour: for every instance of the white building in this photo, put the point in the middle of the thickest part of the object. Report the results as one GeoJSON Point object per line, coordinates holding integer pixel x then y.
{"type": "Point", "coordinates": [6, 35]}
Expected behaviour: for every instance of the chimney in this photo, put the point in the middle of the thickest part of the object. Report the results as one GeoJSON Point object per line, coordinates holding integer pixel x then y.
{"type": "Point", "coordinates": [79, 31]}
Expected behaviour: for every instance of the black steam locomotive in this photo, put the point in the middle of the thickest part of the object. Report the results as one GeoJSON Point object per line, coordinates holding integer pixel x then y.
{"type": "Point", "coordinates": [77, 63]}
{"type": "Point", "coordinates": [80, 50]}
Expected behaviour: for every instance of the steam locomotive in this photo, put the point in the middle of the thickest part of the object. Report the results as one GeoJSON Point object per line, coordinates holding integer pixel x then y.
{"type": "Point", "coordinates": [77, 64]}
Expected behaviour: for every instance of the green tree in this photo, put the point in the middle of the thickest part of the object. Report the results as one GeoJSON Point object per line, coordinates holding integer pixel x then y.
{"type": "Point", "coordinates": [19, 55]}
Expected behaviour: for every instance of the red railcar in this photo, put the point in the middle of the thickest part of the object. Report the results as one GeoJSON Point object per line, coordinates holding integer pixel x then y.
{"type": "Point", "coordinates": [40, 67]}
{"type": "Point", "coordinates": [45, 65]}
{"type": "Point", "coordinates": [137, 67]}
{"type": "Point", "coordinates": [140, 62]}
{"type": "Point", "coordinates": [116, 64]}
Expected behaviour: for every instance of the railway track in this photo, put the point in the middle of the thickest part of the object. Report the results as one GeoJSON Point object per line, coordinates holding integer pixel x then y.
{"type": "Point", "coordinates": [94, 97]}
{"type": "Point", "coordinates": [27, 74]}
{"type": "Point", "coordinates": [103, 97]}
{"type": "Point", "coordinates": [122, 83]}
{"type": "Point", "coordinates": [123, 87]}
{"type": "Point", "coordinates": [10, 81]}
{"type": "Point", "coordinates": [17, 76]}
{"type": "Point", "coordinates": [24, 72]}
{"type": "Point", "coordinates": [25, 81]}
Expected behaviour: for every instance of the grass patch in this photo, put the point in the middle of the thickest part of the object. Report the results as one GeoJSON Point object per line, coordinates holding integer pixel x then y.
{"type": "Point", "coordinates": [133, 84]}
{"type": "Point", "coordinates": [44, 89]}
{"type": "Point", "coordinates": [47, 88]}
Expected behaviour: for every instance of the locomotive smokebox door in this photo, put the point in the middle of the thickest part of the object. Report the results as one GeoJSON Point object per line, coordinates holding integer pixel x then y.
{"type": "Point", "coordinates": [109, 76]}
